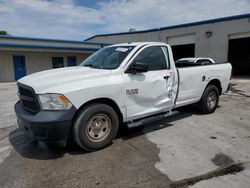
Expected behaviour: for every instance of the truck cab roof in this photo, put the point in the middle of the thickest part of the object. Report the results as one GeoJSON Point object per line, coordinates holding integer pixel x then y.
{"type": "Point", "coordinates": [139, 43]}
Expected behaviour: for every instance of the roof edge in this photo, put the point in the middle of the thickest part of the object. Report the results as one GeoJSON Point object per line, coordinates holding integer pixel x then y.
{"type": "Point", "coordinates": [48, 47]}
{"type": "Point", "coordinates": [216, 20]}
{"type": "Point", "coordinates": [51, 40]}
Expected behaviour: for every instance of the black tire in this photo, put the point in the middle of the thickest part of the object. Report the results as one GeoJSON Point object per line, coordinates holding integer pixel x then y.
{"type": "Point", "coordinates": [95, 118]}
{"type": "Point", "coordinates": [205, 104]}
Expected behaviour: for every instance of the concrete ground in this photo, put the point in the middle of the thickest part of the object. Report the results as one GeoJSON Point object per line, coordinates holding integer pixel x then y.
{"type": "Point", "coordinates": [189, 149]}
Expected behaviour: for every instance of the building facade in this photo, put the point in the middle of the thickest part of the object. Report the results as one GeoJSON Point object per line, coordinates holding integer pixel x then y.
{"type": "Point", "coordinates": [20, 56]}
{"type": "Point", "coordinates": [224, 39]}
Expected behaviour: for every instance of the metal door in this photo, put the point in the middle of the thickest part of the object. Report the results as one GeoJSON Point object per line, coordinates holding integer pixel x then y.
{"type": "Point", "coordinates": [19, 67]}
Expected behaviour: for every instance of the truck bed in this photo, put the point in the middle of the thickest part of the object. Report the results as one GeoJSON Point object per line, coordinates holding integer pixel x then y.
{"type": "Point", "coordinates": [194, 79]}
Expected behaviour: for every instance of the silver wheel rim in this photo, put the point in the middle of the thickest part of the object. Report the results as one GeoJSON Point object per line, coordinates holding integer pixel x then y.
{"type": "Point", "coordinates": [98, 127]}
{"type": "Point", "coordinates": [211, 99]}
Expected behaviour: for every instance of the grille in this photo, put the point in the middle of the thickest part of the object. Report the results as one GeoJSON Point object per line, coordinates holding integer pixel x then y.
{"type": "Point", "coordinates": [28, 98]}
{"type": "Point", "coordinates": [25, 92]}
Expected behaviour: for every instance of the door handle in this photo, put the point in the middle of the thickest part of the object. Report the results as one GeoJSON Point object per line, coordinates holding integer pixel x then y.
{"type": "Point", "coordinates": [166, 77]}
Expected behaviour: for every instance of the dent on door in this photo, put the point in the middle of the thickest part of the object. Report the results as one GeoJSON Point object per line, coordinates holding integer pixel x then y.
{"type": "Point", "coordinates": [147, 94]}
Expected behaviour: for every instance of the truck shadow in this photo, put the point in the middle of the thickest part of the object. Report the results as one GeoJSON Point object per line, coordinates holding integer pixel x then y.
{"type": "Point", "coordinates": [28, 148]}
{"type": "Point", "coordinates": [129, 133]}
{"type": "Point", "coordinates": [32, 149]}
{"type": "Point", "coordinates": [238, 91]}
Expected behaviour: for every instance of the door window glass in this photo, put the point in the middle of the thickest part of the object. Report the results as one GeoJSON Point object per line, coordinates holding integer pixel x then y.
{"type": "Point", "coordinates": [154, 56]}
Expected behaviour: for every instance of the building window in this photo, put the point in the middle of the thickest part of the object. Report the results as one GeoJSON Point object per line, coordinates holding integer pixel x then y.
{"type": "Point", "coordinates": [71, 60]}
{"type": "Point", "coordinates": [57, 62]}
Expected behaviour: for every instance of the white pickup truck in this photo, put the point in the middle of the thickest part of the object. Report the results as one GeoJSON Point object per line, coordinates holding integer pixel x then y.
{"type": "Point", "coordinates": [124, 84]}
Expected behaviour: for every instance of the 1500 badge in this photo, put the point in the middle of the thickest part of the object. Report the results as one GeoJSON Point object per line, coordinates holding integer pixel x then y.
{"type": "Point", "coordinates": [132, 91]}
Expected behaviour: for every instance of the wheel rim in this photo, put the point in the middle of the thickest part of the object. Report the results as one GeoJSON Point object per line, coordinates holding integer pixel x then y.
{"type": "Point", "coordinates": [98, 127]}
{"type": "Point", "coordinates": [211, 99]}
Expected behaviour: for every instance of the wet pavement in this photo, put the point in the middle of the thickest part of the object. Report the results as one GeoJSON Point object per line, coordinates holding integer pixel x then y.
{"type": "Point", "coordinates": [127, 162]}
{"type": "Point", "coordinates": [189, 149]}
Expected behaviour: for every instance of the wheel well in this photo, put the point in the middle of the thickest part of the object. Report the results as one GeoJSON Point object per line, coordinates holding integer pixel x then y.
{"type": "Point", "coordinates": [106, 101]}
{"type": "Point", "coordinates": [216, 83]}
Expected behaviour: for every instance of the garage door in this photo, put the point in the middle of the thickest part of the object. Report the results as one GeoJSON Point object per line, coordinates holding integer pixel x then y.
{"type": "Point", "coordinates": [239, 54]}
{"type": "Point", "coordinates": [182, 46]}
{"type": "Point", "coordinates": [181, 39]}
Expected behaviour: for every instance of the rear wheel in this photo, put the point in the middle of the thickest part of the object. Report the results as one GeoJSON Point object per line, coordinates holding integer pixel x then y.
{"type": "Point", "coordinates": [209, 100]}
{"type": "Point", "coordinates": [95, 127]}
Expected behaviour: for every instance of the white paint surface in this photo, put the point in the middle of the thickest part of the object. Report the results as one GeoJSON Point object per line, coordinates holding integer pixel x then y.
{"type": "Point", "coordinates": [156, 88]}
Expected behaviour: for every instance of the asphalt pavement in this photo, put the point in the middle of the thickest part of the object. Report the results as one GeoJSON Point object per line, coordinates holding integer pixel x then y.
{"type": "Point", "coordinates": [187, 150]}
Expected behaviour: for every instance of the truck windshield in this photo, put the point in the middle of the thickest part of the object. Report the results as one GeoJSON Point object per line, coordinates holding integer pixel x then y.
{"type": "Point", "coordinates": [107, 58]}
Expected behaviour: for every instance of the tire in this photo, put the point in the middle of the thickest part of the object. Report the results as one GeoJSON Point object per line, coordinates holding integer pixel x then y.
{"type": "Point", "coordinates": [95, 126]}
{"type": "Point", "coordinates": [209, 100]}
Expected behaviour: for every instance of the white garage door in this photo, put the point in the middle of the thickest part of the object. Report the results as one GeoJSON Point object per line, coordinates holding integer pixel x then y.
{"type": "Point", "coordinates": [239, 35]}
{"type": "Point", "coordinates": [181, 39]}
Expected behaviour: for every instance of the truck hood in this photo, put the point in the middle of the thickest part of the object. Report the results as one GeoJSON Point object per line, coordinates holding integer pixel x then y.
{"type": "Point", "coordinates": [48, 81]}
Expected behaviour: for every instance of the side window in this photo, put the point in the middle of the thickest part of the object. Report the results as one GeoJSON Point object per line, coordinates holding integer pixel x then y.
{"type": "Point", "coordinates": [156, 57]}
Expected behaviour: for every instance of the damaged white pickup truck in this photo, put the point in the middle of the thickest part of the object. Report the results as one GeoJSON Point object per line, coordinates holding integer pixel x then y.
{"type": "Point", "coordinates": [131, 84]}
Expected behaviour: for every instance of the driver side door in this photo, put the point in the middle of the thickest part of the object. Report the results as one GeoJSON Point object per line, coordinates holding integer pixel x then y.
{"type": "Point", "coordinates": [150, 92]}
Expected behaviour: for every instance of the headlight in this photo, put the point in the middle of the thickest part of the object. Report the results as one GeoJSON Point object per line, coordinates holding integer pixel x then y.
{"type": "Point", "coordinates": [54, 102]}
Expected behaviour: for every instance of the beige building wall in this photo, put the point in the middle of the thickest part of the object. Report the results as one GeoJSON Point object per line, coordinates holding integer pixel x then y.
{"type": "Point", "coordinates": [215, 46]}
{"type": "Point", "coordinates": [6, 67]}
{"type": "Point", "coordinates": [35, 61]}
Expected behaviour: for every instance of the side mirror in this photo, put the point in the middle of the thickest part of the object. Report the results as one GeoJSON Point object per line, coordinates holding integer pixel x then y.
{"type": "Point", "coordinates": [137, 67]}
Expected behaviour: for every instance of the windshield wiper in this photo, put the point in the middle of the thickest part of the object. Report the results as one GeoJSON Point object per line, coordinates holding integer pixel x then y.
{"type": "Point", "coordinates": [92, 66]}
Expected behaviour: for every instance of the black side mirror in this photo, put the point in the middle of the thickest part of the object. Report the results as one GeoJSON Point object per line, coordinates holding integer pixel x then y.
{"type": "Point", "coordinates": [137, 67]}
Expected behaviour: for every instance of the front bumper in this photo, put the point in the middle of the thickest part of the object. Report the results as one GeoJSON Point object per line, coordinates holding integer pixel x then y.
{"type": "Point", "coordinates": [49, 126]}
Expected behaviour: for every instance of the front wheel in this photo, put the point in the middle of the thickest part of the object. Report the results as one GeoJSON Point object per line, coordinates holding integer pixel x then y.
{"type": "Point", "coordinates": [209, 100]}
{"type": "Point", "coordinates": [95, 126]}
